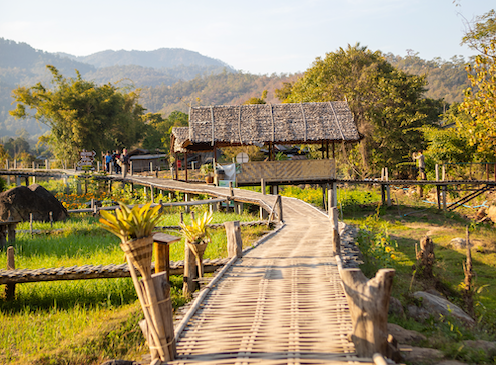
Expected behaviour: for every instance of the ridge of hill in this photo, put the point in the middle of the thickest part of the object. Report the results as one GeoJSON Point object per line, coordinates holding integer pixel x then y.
{"type": "Point", "coordinates": [159, 58]}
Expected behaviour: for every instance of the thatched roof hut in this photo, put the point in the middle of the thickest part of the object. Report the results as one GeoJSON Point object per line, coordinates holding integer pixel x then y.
{"type": "Point", "coordinates": [259, 124]}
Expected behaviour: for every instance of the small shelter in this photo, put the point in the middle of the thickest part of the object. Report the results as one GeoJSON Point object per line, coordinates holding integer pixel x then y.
{"type": "Point", "coordinates": [211, 127]}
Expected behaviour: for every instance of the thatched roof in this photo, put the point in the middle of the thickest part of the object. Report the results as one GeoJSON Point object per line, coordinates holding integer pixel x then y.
{"type": "Point", "coordinates": [179, 136]}
{"type": "Point", "coordinates": [260, 124]}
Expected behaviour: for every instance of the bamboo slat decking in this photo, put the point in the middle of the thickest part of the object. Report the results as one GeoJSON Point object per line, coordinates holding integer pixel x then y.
{"type": "Point", "coordinates": [281, 303]}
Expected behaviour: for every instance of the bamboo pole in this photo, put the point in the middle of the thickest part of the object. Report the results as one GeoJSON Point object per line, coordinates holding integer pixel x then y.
{"type": "Point", "coordinates": [154, 335]}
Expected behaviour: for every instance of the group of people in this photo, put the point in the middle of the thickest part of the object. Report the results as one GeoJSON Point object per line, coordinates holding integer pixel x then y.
{"type": "Point", "coordinates": [117, 162]}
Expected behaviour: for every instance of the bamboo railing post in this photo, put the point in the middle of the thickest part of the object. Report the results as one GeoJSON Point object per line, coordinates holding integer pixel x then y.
{"type": "Point", "coordinates": [279, 208]}
{"type": "Point", "coordinates": [335, 239]}
{"type": "Point", "coordinates": [10, 288]}
{"type": "Point", "coordinates": [31, 223]}
{"type": "Point", "coordinates": [234, 241]}
{"type": "Point", "coordinates": [369, 302]}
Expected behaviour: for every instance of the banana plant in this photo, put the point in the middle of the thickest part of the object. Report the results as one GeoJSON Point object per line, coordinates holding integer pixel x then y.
{"type": "Point", "coordinates": [129, 224]}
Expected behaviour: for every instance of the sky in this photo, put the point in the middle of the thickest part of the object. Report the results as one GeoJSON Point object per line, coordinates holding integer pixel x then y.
{"type": "Point", "coordinates": [256, 36]}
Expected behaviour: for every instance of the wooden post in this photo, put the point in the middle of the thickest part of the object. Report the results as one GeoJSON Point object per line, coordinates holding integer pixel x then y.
{"type": "Point", "coordinates": [467, 268]}
{"type": "Point", "coordinates": [426, 258]}
{"type": "Point", "coordinates": [437, 172]}
{"type": "Point", "coordinates": [445, 188]}
{"type": "Point", "coordinates": [50, 216]}
{"type": "Point", "coordinates": [263, 214]}
{"type": "Point", "coordinates": [78, 187]}
{"type": "Point", "coordinates": [369, 302]}
{"type": "Point", "coordinates": [189, 271]}
{"type": "Point", "coordinates": [234, 242]}
{"type": "Point", "coordinates": [388, 188]}
{"type": "Point", "coordinates": [3, 237]}
{"type": "Point", "coordinates": [231, 191]}
{"type": "Point", "coordinates": [162, 289]}
{"type": "Point", "coordinates": [438, 196]}
{"type": "Point", "coordinates": [31, 223]}
{"type": "Point", "coordinates": [152, 194]}
{"type": "Point", "coordinates": [335, 238]}
{"type": "Point", "coordinates": [444, 172]}
{"type": "Point", "coordinates": [10, 288]}
{"type": "Point", "coordinates": [7, 167]}
{"type": "Point", "coordinates": [186, 166]}
{"type": "Point", "coordinates": [187, 198]}
{"type": "Point", "coordinates": [26, 180]}
{"type": "Point", "coordinates": [279, 208]}
{"type": "Point", "coordinates": [18, 180]}
{"type": "Point", "coordinates": [262, 182]}
{"type": "Point", "coordinates": [383, 195]}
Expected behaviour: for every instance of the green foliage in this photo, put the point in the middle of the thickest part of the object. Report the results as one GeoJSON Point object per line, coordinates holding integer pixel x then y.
{"type": "Point", "coordinates": [129, 224]}
{"type": "Point", "coordinates": [260, 100]}
{"type": "Point", "coordinates": [482, 32]}
{"type": "Point", "coordinates": [446, 80]}
{"type": "Point", "coordinates": [82, 115]}
{"type": "Point", "coordinates": [450, 142]}
{"type": "Point", "coordinates": [387, 104]}
{"type": "Point", "coordinates": [197, 230]}
{"type": "Point", "coordinates": [376, 245]}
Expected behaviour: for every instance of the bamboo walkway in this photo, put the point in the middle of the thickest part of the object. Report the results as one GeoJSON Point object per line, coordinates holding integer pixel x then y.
{"type": "Point", "coordinates": [281, 303]}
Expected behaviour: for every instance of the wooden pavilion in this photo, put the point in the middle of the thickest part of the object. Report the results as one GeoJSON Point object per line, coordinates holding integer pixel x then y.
{"type": "Point", "coordinates": [212, 127]}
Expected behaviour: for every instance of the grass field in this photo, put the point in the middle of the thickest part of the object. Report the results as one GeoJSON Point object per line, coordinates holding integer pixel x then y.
{"type": "Point", "coordinates": [84, 321]}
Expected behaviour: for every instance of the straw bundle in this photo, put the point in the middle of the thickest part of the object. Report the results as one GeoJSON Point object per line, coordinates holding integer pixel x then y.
{"type": "Point", "coordinates": [140, 252]}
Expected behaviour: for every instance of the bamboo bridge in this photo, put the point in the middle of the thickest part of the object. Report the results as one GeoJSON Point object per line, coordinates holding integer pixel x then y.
{"type": "Point", "coordinates": [282, 302]}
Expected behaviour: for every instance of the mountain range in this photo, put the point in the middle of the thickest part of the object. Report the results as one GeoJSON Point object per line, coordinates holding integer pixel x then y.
{"type": "Point", "coordinates": [175, 79]}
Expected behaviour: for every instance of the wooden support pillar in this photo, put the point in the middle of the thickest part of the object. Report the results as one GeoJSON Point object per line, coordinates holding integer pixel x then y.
{"type": "Point", "coordinates": [335, 238]}
{"type": "Point", "coordinates": [189, 272]}
{"type": "Point", "coordinates": [26, 180]}
{"type": "Point", "coordinates": [369, 303]}
{"type": "Point", "coordinates": [176, 164]}
{"type": "Point", "coordinates": [263, 185]}
{"type": "Point", "coordinates": [332, 195]}
{"type": "Point", "coordinates": [186, 166]}
{"type": "Point", "coordinates": [187, 198]}
{"type": "Point", "coordinates": [10, 288]}
{"type": "Point", "coordinates": [327, 149]}
{"type": "Point", "coordinates": [18, 180]}
{"type": "Point", "coordinates": [383, 194]}
{"type": "Point", "coordinates": [333, 150]}
{"type": "Point", "coordinates": [263, 214]}
{"type": "Point", "coordinates": [438, 196]}
{"type": "Point", "coordinates": [445, 188]}
{"type": "Point", "coordinates": [3, 237]}
{"type": "Point", "coordinates": [234, 242]}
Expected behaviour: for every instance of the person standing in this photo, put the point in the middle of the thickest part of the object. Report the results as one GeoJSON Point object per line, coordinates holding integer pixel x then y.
{"type": "Point", "coordinates": [421, 164]}
{"type": "Point", "coordinates": [108, 162]}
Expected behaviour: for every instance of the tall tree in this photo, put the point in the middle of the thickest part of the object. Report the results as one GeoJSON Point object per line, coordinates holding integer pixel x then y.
{"type": "Point", "coordinates": [480, 99]}
{"type": "Point", "coordinates": [387, 104]}
{"type": "Point", "coordinates": [81, 114]}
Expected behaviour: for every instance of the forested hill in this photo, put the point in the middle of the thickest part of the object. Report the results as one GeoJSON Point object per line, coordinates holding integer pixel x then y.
{"type": "Point", "coordinates": [160, 58]}
{"type": "Point", "coordinates": [446, 79]}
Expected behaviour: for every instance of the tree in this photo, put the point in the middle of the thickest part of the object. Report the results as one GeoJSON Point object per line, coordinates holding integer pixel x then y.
{"type": "Point", "coordinates": [481, 32]}
{"type": "Point", "coordinates": [159, 129]}
{"type": "Point", "coordinates": [82, 115]}
{"type": "Point", "coordinates": [260, 100]}
{"type": "Point", "coordinates": [387, 104]}
{"type": "Point", "coordinates": [480, 99]}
